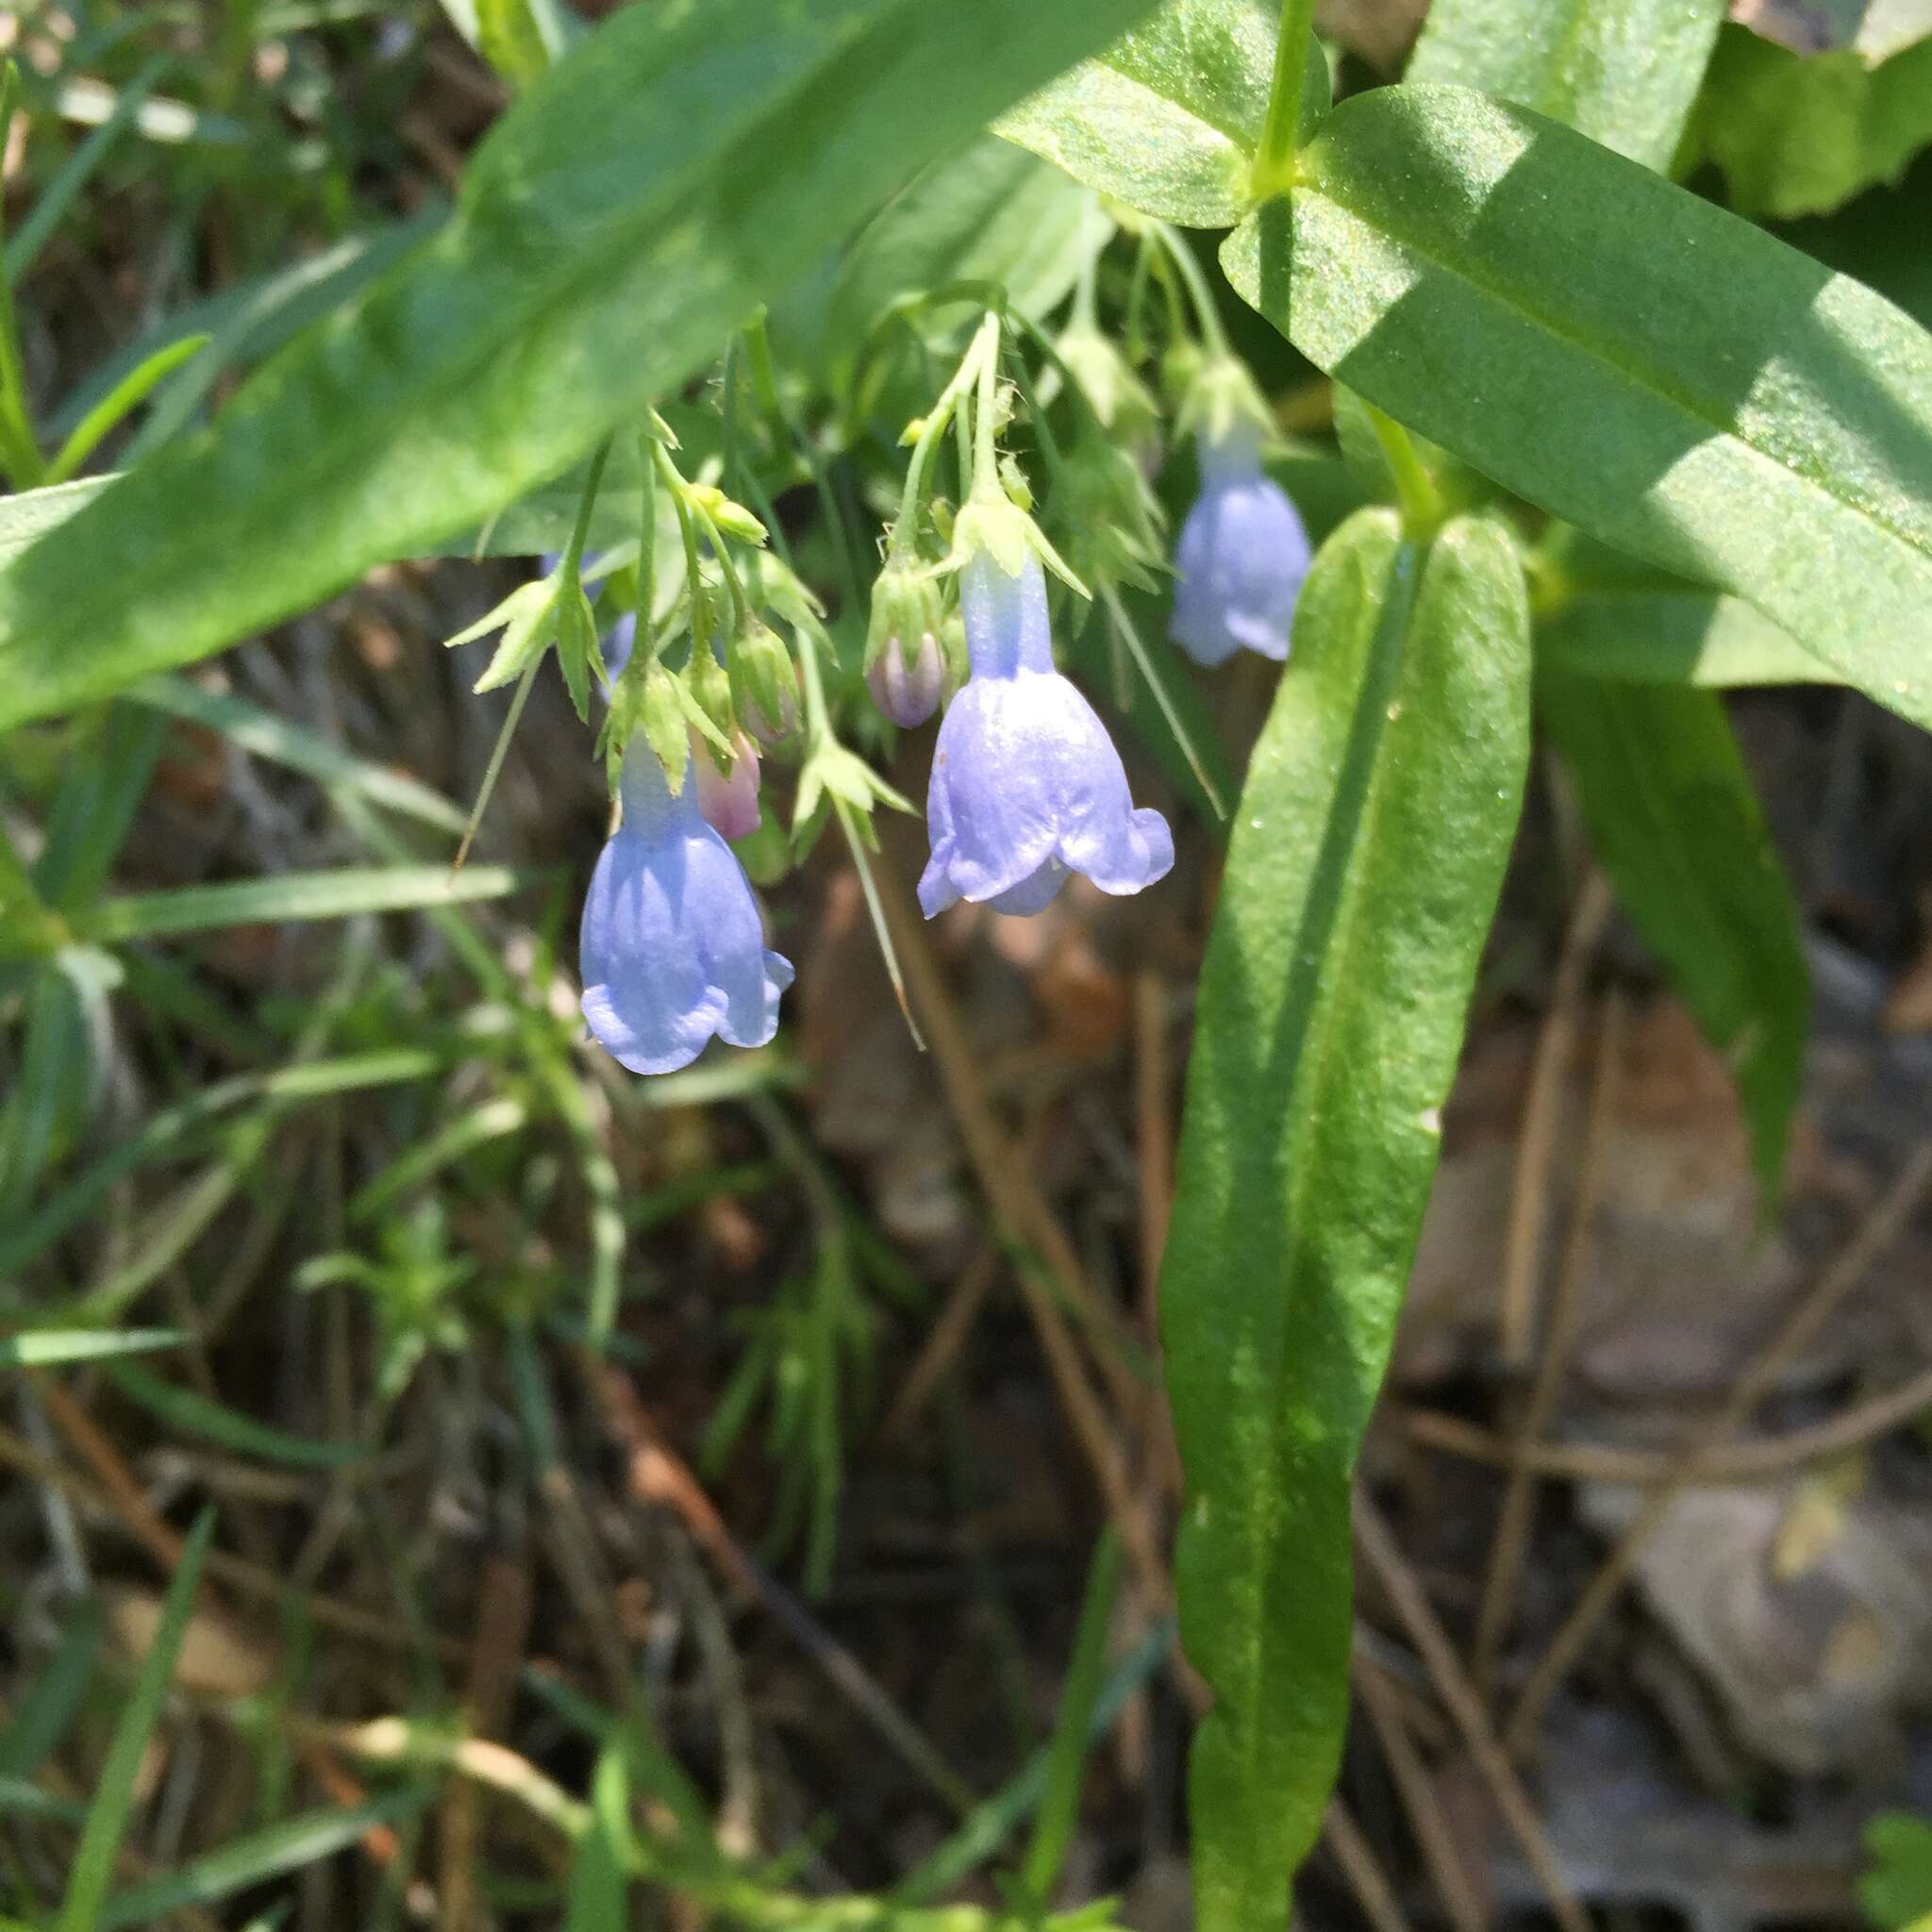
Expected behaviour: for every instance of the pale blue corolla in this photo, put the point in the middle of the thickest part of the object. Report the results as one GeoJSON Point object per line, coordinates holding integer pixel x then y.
{"type": "Point", "coordinates": [1242, 559]}
{"type": "Point", "coordinates": [1027, 786]}
{"type": "Point", "coordinates": [673, 946]}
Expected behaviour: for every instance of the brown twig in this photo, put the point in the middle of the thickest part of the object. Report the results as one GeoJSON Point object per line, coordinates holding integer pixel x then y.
{"type": "Point", "coordinates": [1529, 1199]}
{"type": "Point", "coordinates": [1459, 1696]}
{"type": "Point", "coordinates": [1518, 1496]}
{"type": "Point", "coordinates": [658, 1475]}
{"type": "Point", "coordinates": [1887, 1221]}
{"type": "Point", "coordinates": [1017, 1204]}
{"type": "Point", "coordinates": [1363, 1870]}
{"type": "Point", "coordinates": [1594, 1462]}
{"type": "Point", "coordinates": [1416, 1790]}
{"type": "Point", "coordinates": [942, 1347]}
{"type": "Point", "coordinates": [496, 1654]}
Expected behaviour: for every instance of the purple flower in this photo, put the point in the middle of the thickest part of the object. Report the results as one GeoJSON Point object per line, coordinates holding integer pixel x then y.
{"type": "Point", "coordinates": [1242, 557]}
{"type": "Point", "coordinates": [672, 949]}
{"type": "Point", "coordinates": [1027, 786]}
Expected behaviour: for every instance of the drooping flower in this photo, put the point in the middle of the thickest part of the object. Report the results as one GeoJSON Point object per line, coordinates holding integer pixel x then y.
{"type": "Point", "coordinates": [1027, 786]}
{"type": "Point", "coordinates": [672, 949]}
{"type": "Point", "coordinates": [1242, 556]}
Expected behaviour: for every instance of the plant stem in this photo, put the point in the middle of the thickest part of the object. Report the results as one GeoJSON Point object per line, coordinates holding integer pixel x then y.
{"type": "Point", "coordinates": [1199, 294]}
{"type": "Point", "coordinates": [1415, 489]}
{"type": "Point", "coordinates": [1275, 164]}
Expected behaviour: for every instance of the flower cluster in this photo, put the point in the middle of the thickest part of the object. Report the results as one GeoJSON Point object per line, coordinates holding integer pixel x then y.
{"type": "Point", "coordinates": [1026, 786]}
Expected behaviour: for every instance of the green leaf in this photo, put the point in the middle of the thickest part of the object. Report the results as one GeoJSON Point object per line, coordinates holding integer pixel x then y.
{"type": "Point", "coordinates": [1622, 72]}
{"type": "Point", "coordinates": [1066, 1759]}
{"type": "Point", "coordinates": [1624, 355]}
{"type": "Point", "coordinates": [986, 213]}
{"type": "Point", "coordinates": [1662, 630]}
{"type": "Point", "coordinates": [129, 393]}
{"type": "Point", "coordinates": [599, 1878]}
{"type": "Point", "coordinates": [40, 1718]}
{"type": "Point", "coordinates": [1801, 135]}
{"type": "Point", "coordinates": [30, 514]}
{"type": "Point", "coordinates": [1367, 853]}
{"type": "Point", "coordinates": [92, 1870]}
{"type": "Point", "coordinates": [1168, 119]}
{"type": "Point", "coordinates": [1896, 1892]}
{"type": "Point", "coordinates": [1675, 819]}
{"type": "Point", "coordinates": [252, 1860]}
{"type": "Point", "coordinates": [643, 197]}
{"type": "Point", "coordinates": [190, 1414]}
{"type": "Point", "coordinates": [336, 895]}
{"type": "Point", "coordinates": [519, 38]}
{"type": "Point", "coordinates": [37, 1348]}
{"type": "Point", "coordinates": [267, 735]}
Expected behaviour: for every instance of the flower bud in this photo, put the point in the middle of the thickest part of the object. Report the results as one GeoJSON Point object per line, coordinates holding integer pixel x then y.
{"type": "Point", "coordinates": [728, 797]}
{"type": "Point", "coordinates": [764, 682]}
{"type": "Point", "coordinates": [710, 685]}
{"type": "Point", "coordinates": [904, 665]}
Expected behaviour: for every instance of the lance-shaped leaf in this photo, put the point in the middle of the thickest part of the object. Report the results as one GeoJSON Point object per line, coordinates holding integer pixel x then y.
{"type": "Point", "coordinates": [1625, 355]}
{"type": "Point", "coordinates": [1675, 820]}
{"type": "Point", "coordinates": [643, 197]}
{"type": "Point", "coordinates": [1366, 858]}
{"type": "Point", "coordinates": [1622, 72]}
{"type": "Point", "coordinates": [1169, 117]}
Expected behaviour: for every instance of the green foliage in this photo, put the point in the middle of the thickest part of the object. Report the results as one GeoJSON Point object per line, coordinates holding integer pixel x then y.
{"type": "Point", "coordinates": [92, 1872]}
{"type": "Point", "coordinates": [491, 358]}
{"type": "Point", "coordinates": [1802, 134]}
{"type": "Point", "coordinates": [1170, 116]}
{"type": "Point", "coordinates": [1896, 1892]}
{"type": "Point", "coordinates": [1673, 818]}
{"type": "Point", "coordinates": [1529, 301]}
{"type": "Point", "coordinates": [1367, 853]}
{"type": "Point", "coordinates": [1625, 74]}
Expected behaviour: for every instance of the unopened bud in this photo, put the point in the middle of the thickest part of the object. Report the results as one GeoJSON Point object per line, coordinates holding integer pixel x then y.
{"type": "Point", "coordinates": [764, 682]}
{"type": "Point", "coordinates": [728, 799]}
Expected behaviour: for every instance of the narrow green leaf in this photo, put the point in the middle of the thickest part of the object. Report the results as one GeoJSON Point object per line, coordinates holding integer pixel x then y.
{"type": "Point", "coordinates": [129, 393]}
{"type": "Point", "coordinates": [57, 197]}
{"type": "Point", "coordinates": [1666, 631]}
{"type": "Point", "coordinates": [266, 735]}
{"type": "Point", "coordinates": [1675, 819]}
{"type": "Point", "coordinates": [518, 38]}
{"type": "Point", "coordinates": [599, 1878]}
{"type": "Point", "coordinates": [187, 1413]}
{"type": "Point", "coordinates": [92, 1870]}
{"type": "Point", "coordinates": [646, 194]}
{"type": "Point", "coordinates": [1066, 1755]}
{"type": "Point", "coordinates": [41, 1348]}
{"type": "Point", "coordinates": [1624, 355]}
{"type": "Point", "coordinates": [1367, 853]}
{"type": "Point", "coordinates": [1169, 117]}
{"type": "Point", "coordinates": [39, 1719]}
{"type": "Point", "coordinates": [1624, 71]}
{"type": "Point", "coordinates": [285, 1846]}
{"type": "Point", "coordinates": [294, 895]}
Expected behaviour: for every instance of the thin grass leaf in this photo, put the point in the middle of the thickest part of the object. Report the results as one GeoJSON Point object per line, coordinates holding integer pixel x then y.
{"type": "Point", "coordinates": [345, 893]}
{"type": "Point", "coordinates": [40, 1348]}
{"type": "Point", "coordinates": [58, 196]}
{"type": "Point", "coordinates": [92, 1872]}
{"type": "Point", "coordinates": [253, 1859]}
{"type": "Point", "coordinates": [1066, 1754]}
{"type": "Point", "coordinates": [187, 1413]}
{"type": "Point", "coordinates": [40, 1718]}
{"type": "Point", "coordinates": [598, 1874]}
{"type": "Point", "coordinates": [125, 397]}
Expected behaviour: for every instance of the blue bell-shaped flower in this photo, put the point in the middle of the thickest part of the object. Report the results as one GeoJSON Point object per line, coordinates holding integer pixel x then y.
{"type": "Point", "coordinates": [1027, 786]}
{"type": "Point", "coordinates": [1242, 557]}
{"type": "Point", "coordinates": [673, 947]}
